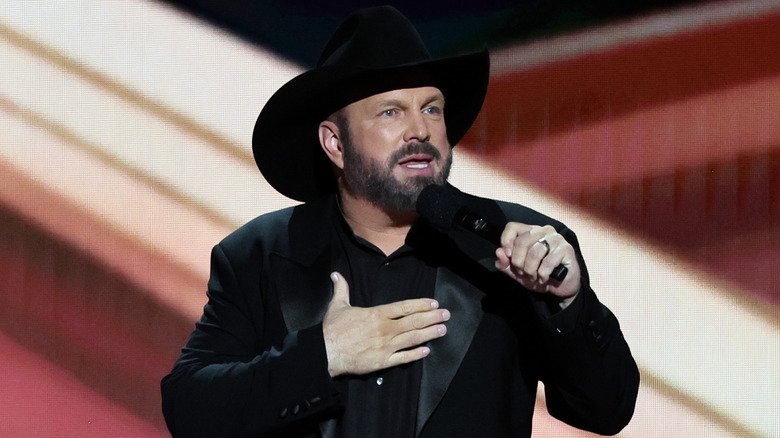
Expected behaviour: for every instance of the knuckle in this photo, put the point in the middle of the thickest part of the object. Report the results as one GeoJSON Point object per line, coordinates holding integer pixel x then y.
{"type": "Point", "coordinates": [420, 322]}
{"type": "Point", "coordinates": [419, 337]}
{"type": "Point", "coordinates": [431, 333]}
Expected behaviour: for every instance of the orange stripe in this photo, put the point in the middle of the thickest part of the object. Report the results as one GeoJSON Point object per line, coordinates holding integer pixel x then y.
{"type": "Point", "coordinates": [525, 105]}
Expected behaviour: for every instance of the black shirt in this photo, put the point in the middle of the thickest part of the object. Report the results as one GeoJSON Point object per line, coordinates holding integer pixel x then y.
{"type": "Point", "coordinates": [382, 404]}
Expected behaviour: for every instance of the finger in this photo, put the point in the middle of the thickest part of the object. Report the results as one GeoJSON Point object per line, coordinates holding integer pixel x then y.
{"type": "Point", "coordinates": [522, 245]}
{"type": "Point", "coordinates": [530, 251]}
{"type": "Point", "coordinates": [548, 265]}
{"type": "Point", "coordinates": [407, 307]}
{"type": "Point", "coordinates": [502, 260]}
{"type": "Point", "coordinates": [406, 356]}
{"type": "Point", "coordinates": [414, 338]}
{"type": "Point", "coordinates": [561, 253]}
{"type": "Point", "coordinates": [340, 289]}
{"type": "Point", "coordinates": [510, 233]}
{"type": "Point", "coordinates": [531, 236]}
{"type": "Point", "coordinates": [422, 320]}
{"type": "Point", "coordinates": [534, 256]}
{"type": "Point", "coordinates": [504, 264]}
{"type": "Point", "coordinates": [521, 260]}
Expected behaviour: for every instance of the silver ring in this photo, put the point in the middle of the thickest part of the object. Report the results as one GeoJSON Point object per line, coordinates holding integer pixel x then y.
{"type": "Point", "coordinates": [544, 242]}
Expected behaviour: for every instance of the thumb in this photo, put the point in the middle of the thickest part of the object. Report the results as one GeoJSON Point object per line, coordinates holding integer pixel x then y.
{"type": "Point", "coordinates": [340, 289]}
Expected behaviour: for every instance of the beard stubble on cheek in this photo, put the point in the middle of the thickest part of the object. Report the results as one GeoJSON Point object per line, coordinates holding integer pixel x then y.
{"type": "Point", "coordinates": [376, 182]}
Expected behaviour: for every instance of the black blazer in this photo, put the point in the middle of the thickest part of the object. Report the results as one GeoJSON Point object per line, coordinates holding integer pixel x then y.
{"type": "Point", "coordinates": [256, 363]}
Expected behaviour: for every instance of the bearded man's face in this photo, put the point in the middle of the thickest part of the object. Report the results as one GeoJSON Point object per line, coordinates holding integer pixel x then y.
{"type": "Point", "coordinates": [394, 145]}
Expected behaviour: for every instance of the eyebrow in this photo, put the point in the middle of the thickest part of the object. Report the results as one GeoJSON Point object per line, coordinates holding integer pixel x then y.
{"type": "Point", "coordinates": [435, 97]}
{"type": "Point", "coordinates": [391, 102]}
{"type": "Point", "coordinates": [396, 102]}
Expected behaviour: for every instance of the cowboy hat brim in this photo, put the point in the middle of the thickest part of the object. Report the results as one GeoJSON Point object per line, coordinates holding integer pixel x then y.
{"type": "Point", "coordinates": [285, 141]}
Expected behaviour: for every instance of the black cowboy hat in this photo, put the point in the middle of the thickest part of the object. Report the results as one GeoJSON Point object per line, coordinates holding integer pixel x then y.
{"type": "Point", "coordinates": [373, 51]}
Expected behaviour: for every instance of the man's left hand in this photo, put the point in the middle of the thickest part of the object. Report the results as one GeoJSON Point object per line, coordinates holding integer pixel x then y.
{"type": "Point", "coordinates": [526, 258]}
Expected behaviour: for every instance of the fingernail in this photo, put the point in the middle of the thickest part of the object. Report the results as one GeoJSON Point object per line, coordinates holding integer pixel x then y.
{"type": "Point", "coordinates": [434, 304]}
{"type": "Point", "coordinates": [426, 351]}
{"type": "Point", "coordinates": [334, 276]}
{"type": "Point", "coordinates": [445, 314]}
{"type": "Point", "coordinates": [442, 330]}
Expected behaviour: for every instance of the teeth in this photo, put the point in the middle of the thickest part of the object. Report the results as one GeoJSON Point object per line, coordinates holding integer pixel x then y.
{"type": "Point", "coordinates": [417, 166]}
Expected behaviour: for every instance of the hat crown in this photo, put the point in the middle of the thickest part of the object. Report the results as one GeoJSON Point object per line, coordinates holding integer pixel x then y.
{"type": "Point", "coordinates": [374, 38]}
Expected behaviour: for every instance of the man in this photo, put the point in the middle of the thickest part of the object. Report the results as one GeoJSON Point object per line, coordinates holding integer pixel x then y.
{"type": "Point", "coordinates": [349, 316]}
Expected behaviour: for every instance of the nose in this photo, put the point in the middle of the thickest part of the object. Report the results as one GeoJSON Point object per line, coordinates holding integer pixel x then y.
{"type": "Point", "coordinates": [417, 128]}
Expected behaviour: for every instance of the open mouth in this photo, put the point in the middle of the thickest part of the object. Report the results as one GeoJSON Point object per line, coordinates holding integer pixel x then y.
{"type": "Point", "coordinates": [416, 161]}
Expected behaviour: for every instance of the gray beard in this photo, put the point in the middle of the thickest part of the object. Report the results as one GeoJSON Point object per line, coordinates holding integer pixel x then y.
{"type": "Point", "coordinates": [375, 182]}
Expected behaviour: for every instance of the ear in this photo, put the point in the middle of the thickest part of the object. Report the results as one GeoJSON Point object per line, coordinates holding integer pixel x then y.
{"type": "Point", "coordinates": [330, 140]}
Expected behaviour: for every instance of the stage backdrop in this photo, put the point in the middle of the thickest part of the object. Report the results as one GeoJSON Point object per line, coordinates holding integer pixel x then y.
{"type": "Point", "coordinates": [652, 130]}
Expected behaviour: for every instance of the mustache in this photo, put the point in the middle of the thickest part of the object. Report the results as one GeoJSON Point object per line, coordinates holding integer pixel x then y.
{"type": "Point", "coordinates": [415, 148]}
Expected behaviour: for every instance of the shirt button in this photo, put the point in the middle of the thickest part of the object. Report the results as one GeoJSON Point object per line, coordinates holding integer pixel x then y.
{"type": "Point", "coordinates": [379, 381]}
{"type": "Point", "coordinates": [386, 264]}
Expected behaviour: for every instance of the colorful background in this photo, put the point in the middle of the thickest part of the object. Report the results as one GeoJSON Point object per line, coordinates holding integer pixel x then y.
{"type": "Point", "coordinates": [651, 129]}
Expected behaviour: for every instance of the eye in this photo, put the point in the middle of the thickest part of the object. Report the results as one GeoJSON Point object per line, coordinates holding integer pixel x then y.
{"type": "Point", "coordinates": [389, 112]}
{"type": "Point", "coordinates": [432, 110]}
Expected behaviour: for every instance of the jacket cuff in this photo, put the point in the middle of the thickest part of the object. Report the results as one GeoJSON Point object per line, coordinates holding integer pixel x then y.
{"type": "Point", "coordinates": [555, 320]}
{"type": "Point", "coordinates": [313, 392]}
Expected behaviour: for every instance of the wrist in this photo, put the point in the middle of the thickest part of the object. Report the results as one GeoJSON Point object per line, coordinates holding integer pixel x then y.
{"type": "Point", "coordinates": [565, 302]}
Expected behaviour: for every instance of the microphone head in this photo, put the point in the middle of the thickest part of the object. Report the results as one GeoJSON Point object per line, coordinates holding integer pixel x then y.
{"type": "Point", "coordinates": [439, 205]}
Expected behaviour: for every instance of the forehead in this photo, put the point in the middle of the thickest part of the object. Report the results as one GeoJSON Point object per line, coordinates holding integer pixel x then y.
{"type": "Point", "coordinates": [408, 96]}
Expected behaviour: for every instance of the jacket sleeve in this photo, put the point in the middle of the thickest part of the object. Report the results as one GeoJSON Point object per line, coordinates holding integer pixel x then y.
{"type": "Point", "coordinates": [591, 379]}
{"type": "Point", "coordinates": [240, 375]}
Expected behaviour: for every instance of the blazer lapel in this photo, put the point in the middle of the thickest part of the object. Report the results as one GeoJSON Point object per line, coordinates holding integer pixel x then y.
{"type": "Point", "coordinates": [301, 271]}
{"type": "Point", "coordinates": [305, 290]}
{"type": "Point", "coordinates": [463, 300]}
{"type": "Point", "coordinates": [460, 255]}
{"type": "Point", "coordinates": [302, 263]}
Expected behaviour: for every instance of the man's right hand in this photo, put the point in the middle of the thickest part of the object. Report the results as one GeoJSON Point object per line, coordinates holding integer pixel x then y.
{"type": "Point", "coordinates": [363, 340]}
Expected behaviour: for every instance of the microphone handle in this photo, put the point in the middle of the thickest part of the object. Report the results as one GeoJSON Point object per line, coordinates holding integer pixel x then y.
{"type": "Point", "coordinates": [492, 234]}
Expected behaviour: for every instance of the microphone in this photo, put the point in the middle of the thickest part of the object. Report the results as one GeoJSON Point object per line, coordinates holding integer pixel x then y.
{"type": "Point", "coordinates": [442, 208]}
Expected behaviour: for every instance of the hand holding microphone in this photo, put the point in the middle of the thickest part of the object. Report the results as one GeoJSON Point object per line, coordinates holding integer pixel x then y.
{"type": "Point", "coordinates": [531, 254]}
{"type": "Point", "coordinates": [537, 257]}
